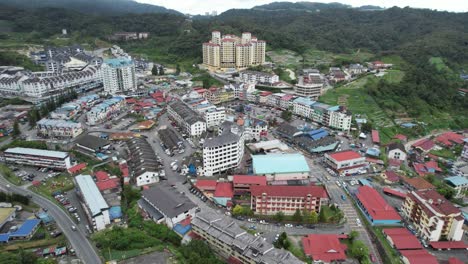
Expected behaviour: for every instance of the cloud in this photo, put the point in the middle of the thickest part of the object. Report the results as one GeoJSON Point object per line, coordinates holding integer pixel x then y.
{"type": "Point", "coordinates": [202, 6]}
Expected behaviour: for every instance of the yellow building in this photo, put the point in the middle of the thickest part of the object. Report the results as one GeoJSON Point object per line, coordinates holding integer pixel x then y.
{"type": "Point", "coordinates": [434, 217]}
{"type": "Point", "coordinates": [230, 51]}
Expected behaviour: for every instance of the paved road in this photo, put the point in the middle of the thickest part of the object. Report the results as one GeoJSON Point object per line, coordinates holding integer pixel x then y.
{"type": "Point", "coordinates": [84, 249]}
{"type": "Point", "coordinates": [351, 215]}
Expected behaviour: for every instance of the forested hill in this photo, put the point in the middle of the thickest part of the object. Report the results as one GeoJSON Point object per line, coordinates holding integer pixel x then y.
{"type": "Point", "coordinates": [309, 6]}
{"type": "Point", "coordinates": [395, 29]}
{"type": "Point", "coordinates": [102, 7]}
{"type": "Point", "coordinates": [414, 35]}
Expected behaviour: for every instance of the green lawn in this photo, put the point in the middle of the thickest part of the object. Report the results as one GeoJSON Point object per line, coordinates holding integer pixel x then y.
{"type": "Point", "coordinates": [9, 175]}
{"type": "Point", "coordinates": [61, 182]}
{"type": "Point", "coordinates": [444, 153]}
{"type": "Point", "coordinates": [358, 101]}
{"type": "Point", "coordinates": [111, 254]}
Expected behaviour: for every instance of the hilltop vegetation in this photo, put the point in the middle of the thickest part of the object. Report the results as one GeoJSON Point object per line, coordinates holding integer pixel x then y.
{"type": "Point", "coordinates": [429, 47]}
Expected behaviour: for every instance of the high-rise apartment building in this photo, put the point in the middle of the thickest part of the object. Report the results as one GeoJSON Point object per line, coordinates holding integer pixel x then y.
{"type": "Point", "coordinates": [434, 217]}
{"type": "Point", "coordinates": [118, 75]}
{"type": "Point", "coordinates": [230, 51]}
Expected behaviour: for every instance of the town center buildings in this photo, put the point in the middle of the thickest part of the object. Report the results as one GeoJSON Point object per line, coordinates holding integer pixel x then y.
{"type": "Point", "coordinates": [118, 75]}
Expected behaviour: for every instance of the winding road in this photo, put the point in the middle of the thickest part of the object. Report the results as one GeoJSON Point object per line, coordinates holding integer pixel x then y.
{"type": "Point", "coordinates": [83, 248]}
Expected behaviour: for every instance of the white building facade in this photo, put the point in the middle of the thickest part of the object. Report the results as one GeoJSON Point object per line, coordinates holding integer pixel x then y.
{"type": "Point", "coordinates": [105, 110]}
{"type": "Point", "coordinates": [223, 152]}
{"type": "Point", "coordinates": [38, 158]}
{"type": "Point", "coordinates": [118, 75]}
{"type": "Point", "coordinates": [53, 128]}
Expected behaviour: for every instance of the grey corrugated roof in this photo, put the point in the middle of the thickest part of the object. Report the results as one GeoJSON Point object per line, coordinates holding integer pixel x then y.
{"type": "Point", "coordinates": [225, 229]}
{"type": "Point", "coordinates": [225, 138]}
{"type": "Point", "coordinates": [168, 200]}
{"type": "Point", "coordinates": [37, 152]}
{"type": "Point", "coordinates": [92, 142]}
{"type": "Point", "coordinates": [91, 194]}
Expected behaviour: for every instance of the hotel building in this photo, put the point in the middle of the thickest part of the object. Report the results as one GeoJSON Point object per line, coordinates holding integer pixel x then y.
{"type": "Point", "coordinates": [434, 217]}
{"type": "Point", "coordinates": [230, 51]}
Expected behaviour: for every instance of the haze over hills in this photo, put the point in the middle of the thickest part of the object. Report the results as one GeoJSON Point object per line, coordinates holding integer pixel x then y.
{"type": "Point", "coordinates": [105, 7]}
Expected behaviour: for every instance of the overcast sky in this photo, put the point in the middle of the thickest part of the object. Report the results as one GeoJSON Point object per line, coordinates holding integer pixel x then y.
{"type": "Point", "coordinates": [202, 6]}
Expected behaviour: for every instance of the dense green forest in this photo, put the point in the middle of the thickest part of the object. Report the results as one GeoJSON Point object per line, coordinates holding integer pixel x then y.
{"type": "Point", "coordinates": [102, 7]}
{"type": "Point", "coordinates": [414, 35]}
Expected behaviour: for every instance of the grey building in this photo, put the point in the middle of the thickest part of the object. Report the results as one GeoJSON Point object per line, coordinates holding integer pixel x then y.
{"type": "Point", "coordinates": [165, 204]}
{"type": "Point", "coordinates": [233, 242]}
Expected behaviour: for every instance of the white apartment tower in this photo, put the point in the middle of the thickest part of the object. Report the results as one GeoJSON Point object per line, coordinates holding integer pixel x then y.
{"type": "Point", "coordinates": [223, 152]}
{"type": "Point", "coordinates": [230, 51]}
{"type": "Point", "coordinates": [118, 75]}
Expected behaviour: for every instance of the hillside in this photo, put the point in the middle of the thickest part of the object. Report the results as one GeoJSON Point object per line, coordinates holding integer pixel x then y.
{"type": "Point", "coordinates": [431, 47]}
{"type": "Point", "coordinates": [103, 7]}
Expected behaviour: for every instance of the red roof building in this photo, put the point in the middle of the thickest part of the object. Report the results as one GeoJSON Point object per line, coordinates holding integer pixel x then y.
{"type": "Point", "coordinates": [401, 137]}
{"type": "Point", "coordinates": [242, 183]}
{"type": "Point", "coordinates": [448, 245]}
{"type": "Point", "coordinates": [101, 176]}
{"type": "Point", "coordinates": [377, 210]}
{"type": "Point", "coordinates": [375, 137]}
{"type": "Point", "coordinates": [418, 256]}
{"type": "Point", "coordinates": [345, 155]}
{"type": "Point", "coordinates": [270, 199]}
{"type": "Point", "coordinates": [394, 192]}
{"type": "Point", "coordinates": [401, 238]}
{"type": "Point", "coordinates": [224, 190]}
{"type": "Point", "coordinates": [424, 208]}
{"type": "Point", "coordinates": [206, 185]}
{"type": "Point", "coordinates": [324, 247]}
{"type": "Point", "coordinates": [395, 163]}
{"type": "Point", "coordinates": [454, 260]}
{"type": "Point", "coordinates": [77, 168]}
{"type": "Point", "coordinates": [391, 177]}
{"type": "Point", "coordinates": [449, 139]}
{"type": "Point", "coordinates": [346, 162]}
{"type": "Point", "coordinates": [424, 145]}
{"type": "Point", "coordinates": [417, 184]}
{"type": "Point", "coordinates": [108, 184]}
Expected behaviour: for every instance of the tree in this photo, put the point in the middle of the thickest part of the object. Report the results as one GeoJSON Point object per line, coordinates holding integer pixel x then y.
{"type": "Point", "coordinates": [297, 217]}
{"type": "Point", "coordinates": [322, 217]}
{"type": "Point", "coordinates": [279, 216]}
{"type": "Point", "coordinates": [366, 127]}
{"type": "Point", "coordinates": [177, 69]}
{"type": "Point", "coordinates": [161, 70]}
{"type": "Point", "coordinates": [353, 235]}
{"type": "Point", "coordinates": [313, 217]}
{"type": "Point", "coordinates": [358, 250]}
{"type": "Point", "coordinates": [286, 115]}
{"type": "Point", "coordinates": [16, 130]}
{"type": "Point", "coordinates": [154, 70]}
{"type": "Point", "coordinates": [237, 210]}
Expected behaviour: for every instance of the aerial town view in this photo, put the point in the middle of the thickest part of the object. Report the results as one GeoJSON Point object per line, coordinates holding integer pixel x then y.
{"type": "Point", "coordinates": [240, 132]}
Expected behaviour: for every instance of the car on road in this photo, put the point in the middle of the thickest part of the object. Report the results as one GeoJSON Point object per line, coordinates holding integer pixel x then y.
{"type": "Point", "coordinates": [372, 258]}
{"type": "Point", "coordinates": [73, 228]}
{"type": "Point", "coordinates": [288, 225]}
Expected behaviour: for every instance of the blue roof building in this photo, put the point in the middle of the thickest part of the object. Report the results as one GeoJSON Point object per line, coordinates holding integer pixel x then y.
{"type": "Point", "coordinates": [115, 212]}
{"type": "Point", "coordinates": [26, 231]}
{"type": "Point", "coordinates": [365, 182]}
{"type": "Point", "coordinates": [119, 62]}
{"type": "Point", "coordinates": [460, 184]}
{"type": "Point", "coordinates": [318, 133]}
{"type": "Point", "coordinates": [375, 152]}
{"type": "Point", "coordinates": [281, 167]}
